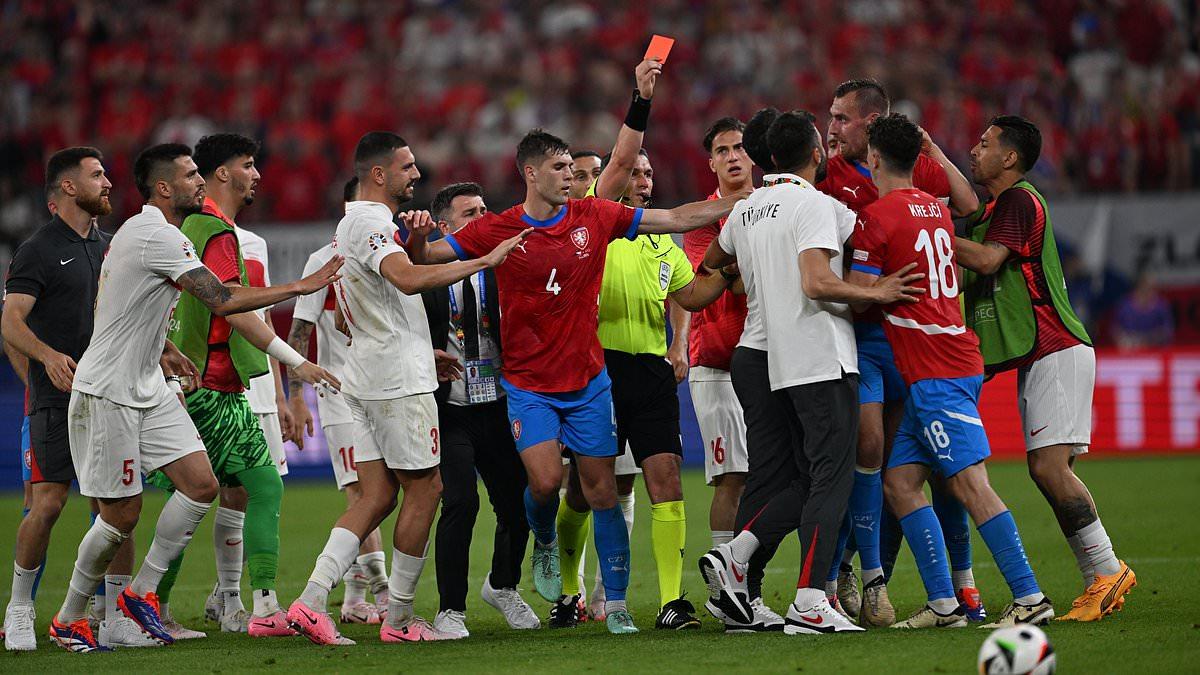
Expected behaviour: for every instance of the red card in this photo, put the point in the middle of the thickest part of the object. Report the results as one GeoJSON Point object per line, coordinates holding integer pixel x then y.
{"type": "Point", "coordinates": [660, 47]}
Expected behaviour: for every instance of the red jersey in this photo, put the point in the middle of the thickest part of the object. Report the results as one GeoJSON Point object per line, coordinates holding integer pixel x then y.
{"type": "Point", "coordinates": [850, 183]}
{"type": "Point", "coordinates": [220, 257]}
{"type": "Point", "coordinates": [550, 288]}
{"type": "Point", "coordinates": [717, 328]}
{"type": "Point", "coordinates": [928, 337]}
{"type": "Point", "coordinates": [1019, 223]}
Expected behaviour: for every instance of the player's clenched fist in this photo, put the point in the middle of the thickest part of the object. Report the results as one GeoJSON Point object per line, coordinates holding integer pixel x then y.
{"type": "Point", "coordinates": [420, 223]}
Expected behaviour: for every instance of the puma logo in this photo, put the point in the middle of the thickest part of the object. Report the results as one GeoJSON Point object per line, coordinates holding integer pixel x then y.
{"type": "Point", "coordinates": [522, 247]}
{"type": "Point", "coordinates": [852, 191]}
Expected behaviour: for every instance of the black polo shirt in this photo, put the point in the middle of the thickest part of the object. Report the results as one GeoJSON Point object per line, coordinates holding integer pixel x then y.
{"type": "Point", "coordinates": [62, 271]}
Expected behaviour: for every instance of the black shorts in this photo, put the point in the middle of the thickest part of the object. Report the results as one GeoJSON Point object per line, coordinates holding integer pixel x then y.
{"type": "Point", "coordinates": [50, 456]}
{"type": "Point", "coordinates": [646, 404]}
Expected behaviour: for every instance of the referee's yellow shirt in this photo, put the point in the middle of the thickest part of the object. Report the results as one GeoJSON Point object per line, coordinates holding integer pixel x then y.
{"type": "Point", "coordinates": [638, 276]}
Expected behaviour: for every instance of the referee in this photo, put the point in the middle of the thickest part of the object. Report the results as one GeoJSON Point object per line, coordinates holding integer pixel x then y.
{"type": "Point", "coordinates": [464, 322]}
{"type": "Point", "coordinates": [50, 295]}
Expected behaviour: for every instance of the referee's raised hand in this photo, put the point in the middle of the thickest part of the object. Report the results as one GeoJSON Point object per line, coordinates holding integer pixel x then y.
{"type": "Point", "coordinates": [60, 368]}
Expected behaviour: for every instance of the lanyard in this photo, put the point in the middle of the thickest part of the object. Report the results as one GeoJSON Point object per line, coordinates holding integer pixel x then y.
{"type": "Point", "coordinates": [783, 179]}
{"type": "Point", "coordinates": [485, 322]}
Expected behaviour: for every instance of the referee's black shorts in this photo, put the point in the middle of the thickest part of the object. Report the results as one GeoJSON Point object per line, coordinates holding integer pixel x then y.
{"type": "Point", "coordinates": [645, 402]}
{"type": "Point", "coordinates": [50, 451]}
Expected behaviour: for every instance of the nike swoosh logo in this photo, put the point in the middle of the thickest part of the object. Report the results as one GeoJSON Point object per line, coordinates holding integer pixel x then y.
{"type": "Point", "coordinates": [818, 619]}
{"type": "Point", "coordinates": [737, 575]}
{"type": "Point", "coordinates": [311, 619]}
{"type": "Point", "coordinates": [64, 262]}
{"type": "Point", "coordinates": [1035, 432]}
{"type": "Point", "coordinates": [232, 542]}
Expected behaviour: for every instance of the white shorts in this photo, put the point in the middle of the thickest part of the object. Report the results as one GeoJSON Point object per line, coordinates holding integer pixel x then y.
{"type": "Point", "coordinates": [274, 433]}
{"type": "Point", "coordinates": [722, 427]}
{"type": "Point", "coordinates": [1054, 395]}
{"type": "Point", "coordinates": [339, 438]}
{"type": "Point", "coordinates": [403, 432]}
{"type": "Point", "coordinates": [111, 443]}
{"type": "Point", "coordinates": [625, 465]}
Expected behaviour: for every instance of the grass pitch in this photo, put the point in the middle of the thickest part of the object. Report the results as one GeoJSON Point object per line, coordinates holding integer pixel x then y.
{"type": "Point", "coordinates": [1148, 506]}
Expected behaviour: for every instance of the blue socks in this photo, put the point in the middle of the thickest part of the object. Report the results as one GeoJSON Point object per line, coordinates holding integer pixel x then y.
{"type": "Point", "coordinates": [956, 526]}
{"type": "Point", "coordinates": [541, 519]}
{"type": "Point", "coordinates": [843, 538]}
{"type": "Point", "coordinates": [612, 550]}
{"type": "Point", "coordinates": [924, 537]}
{"type": "Point", "coordinates": [866, 509]}
{"type": "Point", "coordinates": [1000, 535]}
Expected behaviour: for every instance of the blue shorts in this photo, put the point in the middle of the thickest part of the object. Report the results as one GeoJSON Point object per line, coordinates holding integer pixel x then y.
{"type": "Point", "coordinates": [941, 427]}
{"type": "Point", "coordinates": [879, 379]}
{"type": "Point", "coordinates": [26, 450]}
{"type": "Point", "coordinates": [581, 420]}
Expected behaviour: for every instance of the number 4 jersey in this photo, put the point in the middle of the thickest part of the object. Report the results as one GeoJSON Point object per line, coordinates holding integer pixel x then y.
{"type": "Point", "coordinates": [550, 288]}
{"type": "Point", "coordinates": [928, 337]}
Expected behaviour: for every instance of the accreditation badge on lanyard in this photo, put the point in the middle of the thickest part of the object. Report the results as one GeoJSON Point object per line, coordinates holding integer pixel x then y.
{"type": "Point", "coordinates": [479, 373]}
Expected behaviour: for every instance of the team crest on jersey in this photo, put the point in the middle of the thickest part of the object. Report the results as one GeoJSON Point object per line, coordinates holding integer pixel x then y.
{"type": "Point", "coordinates": [376, 241]}
{"type": "Point", "coordinates": [579, 237]}
{"type": "Point", "coordinates": [516, 428]}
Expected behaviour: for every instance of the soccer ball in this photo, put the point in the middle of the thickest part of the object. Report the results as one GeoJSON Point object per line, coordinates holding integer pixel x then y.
{"type": "Point", "coordinates": [1016, 651]}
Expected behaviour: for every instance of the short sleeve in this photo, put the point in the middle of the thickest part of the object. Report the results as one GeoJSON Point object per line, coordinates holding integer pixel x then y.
{"type": "Point", "coordinates": [309, 307]}
{"type": "Point", "coordinates": [695, 242]}
{"type": "Point", "coordinates": [221, 257]}
{"type": "Point", "coordinates": [25, 273]}
{"type": "Point", "coordinates": [621, 220]}
{"type": "Point", "coordinates": [681, 269]}
{"type": "Point", "coordinates": [476, 238]}
{"type": "Point", "coordinates": [1013, 218]}
{"type": "Point", "coordinates": [170, 254]}
{"type": "Point", "coordinates": [725, 238]}
{"type": "Point", "coordinates": [931, 178]}
{"type": "Point", "coordinates": [371, 242]}
{"type": "Point", "coordinates": [870, 247]}
{"type": "Point", "coordinates": [816, 226]}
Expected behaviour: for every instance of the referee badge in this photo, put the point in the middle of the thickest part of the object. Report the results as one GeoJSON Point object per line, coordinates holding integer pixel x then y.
{"type": "Point", "coordinates": [664, 274]}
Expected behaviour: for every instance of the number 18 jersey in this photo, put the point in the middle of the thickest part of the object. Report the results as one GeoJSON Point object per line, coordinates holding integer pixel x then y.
{"type": "Point", "coordinates": [928, 337]}
{"type": "Point", "coordinates": [550, 288]}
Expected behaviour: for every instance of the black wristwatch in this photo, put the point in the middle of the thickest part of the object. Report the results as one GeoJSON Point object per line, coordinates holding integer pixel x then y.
{"type": "Point", "coordinates": [727, 276]}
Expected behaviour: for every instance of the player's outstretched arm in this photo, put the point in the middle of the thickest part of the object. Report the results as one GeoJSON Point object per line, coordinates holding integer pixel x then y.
{"type": "Point", "coordinates": [250, 326]}
{"type": "Point", "coordinates": [985, 258]}
{"type": "Point", "coordinates": [420, 250]}
{"type": "Point", "coordinates": [687, 217]}
{"type": "Point", "coordinates": [715, 257]}
{"type": "Point", "coordinates": [704, 289]}
{"type": "Point", "coordinates": [17, 335]}
{"type": "Point", "coordinates": [412, 279]}
{"type": "Point", "coordinates": [963, 200]}
{"type": "Point", "coordinates": [818, 282]}
{"type": "Point", "coordinates": [612, 181]}
{"type": "Point", "coordinates": [224, 300]}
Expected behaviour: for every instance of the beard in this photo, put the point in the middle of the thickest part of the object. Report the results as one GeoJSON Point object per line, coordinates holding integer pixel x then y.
{"type": "Point", "coordinates": [189, 206]}
{"type": "Point", "coordinates": [247, 189]}
{"type": "Point", "coordinates": [94, 206]}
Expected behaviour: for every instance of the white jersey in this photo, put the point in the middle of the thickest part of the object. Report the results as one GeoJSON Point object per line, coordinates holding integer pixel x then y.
{"type": "Point", "coordinates": [391, 354]}
{"type": "Point", "coordinates": [133, 306]}
{"type": "Point", "coordinates": [261, 393]}
{"type": "Point", "coordinates": [332, 350]}
{"type": "Point", "coordinates": [807, 340]}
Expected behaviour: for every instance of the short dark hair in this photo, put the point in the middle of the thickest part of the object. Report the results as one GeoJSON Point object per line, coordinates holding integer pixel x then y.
{"type": "Point", "coordinates": [897, 140]}
{"type": "Point", "coordinates": [536, 144]}
{"type": "Point", "coordinates": [871, 98]}
{"type": "Point", "coordinates": [608, 157]}
{"type": "Point", "coordinates": [148, 166]}
{"type": "Point", "coordinates": [792, 138]}
{"type": "Point", "coordinates": [754, 138]}
{"type": "Point", "coordinates": [445, 197]}
{"type": "Point", "coordinates": [65, 160]}
{"type": "Point", "coordinates": [1021, 135]}
{"type": "Point", "coordinates": [580, 154]}
{"type": "Point", "coordinates": [374, 145]}
{"type": "Point", "coordinates": [721, 126]}
{"type": "Point", "coordinates": [214, 150]}
{"type": "Point", "coordinates": [350, 190]}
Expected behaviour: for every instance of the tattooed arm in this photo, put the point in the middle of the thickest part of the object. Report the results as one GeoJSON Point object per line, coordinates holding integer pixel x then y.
{"type": "Point", "coordinates": [298, 338]}
{"type": "Point", "coordinates": [301, 418]}
{"type": "Point", "coordinates": [224, 300]}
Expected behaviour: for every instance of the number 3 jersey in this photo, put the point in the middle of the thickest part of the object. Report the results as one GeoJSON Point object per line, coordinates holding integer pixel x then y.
{"type": "Point", "coordinates": [928, 337]}
{"type": "Point", "coordinates": [550, 288]}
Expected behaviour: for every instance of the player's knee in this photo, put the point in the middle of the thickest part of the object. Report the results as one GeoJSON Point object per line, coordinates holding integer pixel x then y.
{"type": "Point", "coordinates": [1046, 470]}
{"type": "Point", "coordinates": [123, 514]}
{"type": "Point", "coordinates": [543, 488]}
{"type": "Point", "coordinates": [204, 490]}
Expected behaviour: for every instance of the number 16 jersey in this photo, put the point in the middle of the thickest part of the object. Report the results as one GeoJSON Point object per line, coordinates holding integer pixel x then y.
{"type": "Point", "coordinates": [550, 288]}
{"type": "Point", "coordinates": [928, 337]}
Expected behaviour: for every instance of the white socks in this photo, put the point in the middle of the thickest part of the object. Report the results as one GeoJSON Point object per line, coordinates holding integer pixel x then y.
{"type": "Point", "coordinates": [626, 503]}
{"type": "Point", "coordinates": [96, 550]}
{"type": "Point", "coordinates": [402, 587]}
{"type": "Point", "coordinates": [1082, 560]}
{"type": "Point", "coordinates": [374, 567]}
{"type": "Point", "coordinates": [1096, 545]}
{"type": "Point", "coordinates": [265, 603]}
{"type": "Point", "coordinates": [721, 537]}
{"type": "Point", "coordinates": [227, 546]}
{"type": "Point", "coordinates": [961, 578]}
{"type": "Point", "coordinates": [871, 575]}
{"type": "Point", "coordinates": [743, 546]}
{"type": "Point", "coordinates": [22, 585]}
{"type": "Point", "coordinates": [114, 586]}
{"type": "Point", "coordinates": [807, 598]}
{"type": "Point", "coordinates": [176, 523]}
{"type": "Point", "coordinates": [356, 586]}
{"type": "Point", "coordinates": [335, 559]}
{"type": "Point", "coordinates": [943, 606]}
